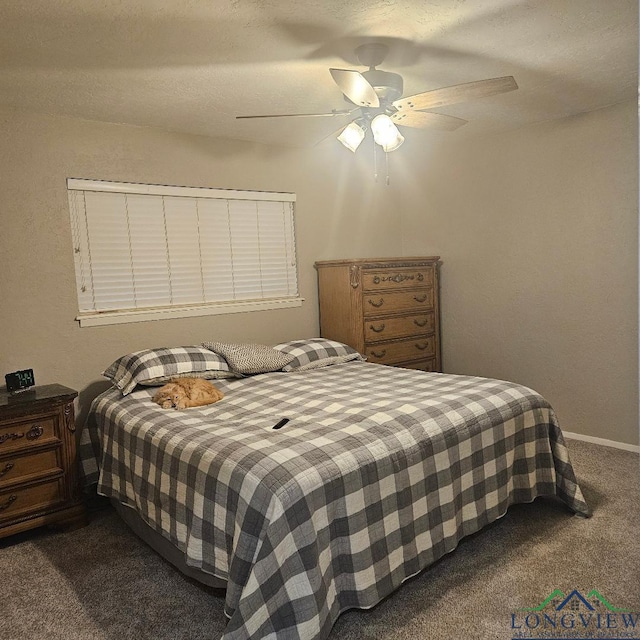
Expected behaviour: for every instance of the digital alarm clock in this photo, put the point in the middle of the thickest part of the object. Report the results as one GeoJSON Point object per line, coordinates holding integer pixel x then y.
{"type": "Point", "coordinates": [19, 380]}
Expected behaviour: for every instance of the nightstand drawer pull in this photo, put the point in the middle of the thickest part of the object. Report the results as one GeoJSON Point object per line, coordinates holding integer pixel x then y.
{"type": "Point", "coordinates": [377, 304]}
{"type": "Point", "coordinates": [377, 329]}
{"type": "Point", "coordinates": [420, 324]}
{"type": "Point", "coordinates": [420, 299]}
{"type": "Point", "coordinates": [35, 432]}
{"type": "Point", "coordinates": [422, 347]}
{"type": "Point", "coordinates": [6, 469]}
{"type": "Point", "coordinates": [10, 436]}
{"type": "Point", "coordinates": [9, 502]}
{"type": "Point", "coordinates": [379, 355]}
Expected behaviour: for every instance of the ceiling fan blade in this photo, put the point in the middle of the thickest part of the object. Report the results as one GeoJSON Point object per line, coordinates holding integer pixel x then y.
{"type": "Point", "coordinates": [356, 87]}
{"type": "Point", "coordinates": [335, 112]}
{"type": "Point", "coordinates": [457, 93]}
{"type": "Point", "coordinates": [427, 120]}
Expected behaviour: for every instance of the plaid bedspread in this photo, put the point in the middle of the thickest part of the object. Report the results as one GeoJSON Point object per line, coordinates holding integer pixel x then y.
{"type": "Point", "coordinates": [380, 472]}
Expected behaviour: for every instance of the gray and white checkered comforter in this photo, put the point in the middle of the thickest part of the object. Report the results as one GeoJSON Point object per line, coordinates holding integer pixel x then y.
{"type": "Point", "coordinates": [380, 472]}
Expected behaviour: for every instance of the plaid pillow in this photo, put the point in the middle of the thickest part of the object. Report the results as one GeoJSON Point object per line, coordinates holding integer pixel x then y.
{"type": "Point", "coordinates": [314, 353]}
{"type": "Point", "coordinates": [157, 366]}
{"type": "Point", "coordinates": [250, 358]}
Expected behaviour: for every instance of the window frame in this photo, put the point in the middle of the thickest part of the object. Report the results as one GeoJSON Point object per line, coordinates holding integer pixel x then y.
{"type": "Point", "coordinates": [178, 310]}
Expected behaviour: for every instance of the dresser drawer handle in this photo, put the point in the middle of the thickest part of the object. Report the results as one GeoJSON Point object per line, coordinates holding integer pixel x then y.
{"type": "Point", "coordinates": [9, 502]}
{"type": "Point", "coordinates": [382, 354]}
{"type": "Point", "coordinates": [420, 299]}
{"type": "Point", "coordinates": [379, 329]}
{"type": "Point", "coordinates": [10, 436]}
{"type": "Point", "coordinates": [35, 432]}
{"type": "Point", "coordinates": [420, 324]}
{"type": "Point", "coordinates": [422, 347]}
{"type": "Point", "coordinates": [377, 304]}
{"type": "Point", "coordinates": [6, 469]}
{"type": "Point", "coordinates": [398, 278]}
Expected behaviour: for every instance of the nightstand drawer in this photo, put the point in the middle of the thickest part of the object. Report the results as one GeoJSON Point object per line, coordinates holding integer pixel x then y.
{"type": "Point", "coordinates": [24, 468]}
{"type": "Point", "coordinates": [373, 280]}
{"type": "Point", "coordinates": [402, 351]}
{"type": "Point", "coordinates": [23, 501]}
{"type": "Point", "coordinates": [383, 302]}
{"type": "Point", "coordinates": [17, 436]}
{"type": "Point", "coordinates": [399, 327]}
{"type": "Point", "coordinates": [38, 471]}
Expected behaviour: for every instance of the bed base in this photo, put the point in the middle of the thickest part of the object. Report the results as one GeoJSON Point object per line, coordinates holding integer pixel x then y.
{"type": "Point", "coordinates": [163, 547]}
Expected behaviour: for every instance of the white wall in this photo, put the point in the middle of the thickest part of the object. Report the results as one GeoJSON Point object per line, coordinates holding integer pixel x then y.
{"type": "Point", "coordinates": [538, 233]}
{"type": "Point", "coordinates": [335, 218]}
{"type": "Point", "coordinates": [537, 230]}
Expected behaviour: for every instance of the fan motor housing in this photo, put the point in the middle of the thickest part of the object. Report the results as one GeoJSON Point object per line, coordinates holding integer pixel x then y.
{"type": "Point", "coordinates": [387, 85]}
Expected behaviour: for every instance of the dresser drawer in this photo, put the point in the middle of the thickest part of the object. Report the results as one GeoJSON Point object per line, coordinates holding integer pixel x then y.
{"type": "Point", "coordinates": [23, 501]}
{"type": "Point", "coordinates": [21, 435]}
{"type": "Point", "coordinates": [424, 365]}
{"type": "Point", "coordinates": [390, 279]}
{"type": "Point", "coordinates": [399, 327]}
{"type": "Point", "coordinates": [401, 351]}
{"type": "Point", "coordinates": [23, 468]}
{"type": "Point", "coordinates": [383, 302]}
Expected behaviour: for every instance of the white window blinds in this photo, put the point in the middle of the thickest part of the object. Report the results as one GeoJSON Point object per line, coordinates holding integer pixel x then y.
{"type": "Point", "coordinates": [146, 251]}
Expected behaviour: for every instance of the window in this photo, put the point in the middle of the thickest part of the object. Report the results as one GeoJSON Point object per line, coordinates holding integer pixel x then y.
{"type": "Point", "coordinates": [146, 252]}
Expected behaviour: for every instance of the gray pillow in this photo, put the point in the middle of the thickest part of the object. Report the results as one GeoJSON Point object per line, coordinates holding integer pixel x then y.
{"type": "Point", "coordinates": [157, 366]}
{"type": "Point", "coordinates": [250, 358]}
{"type": "Point", "coordinates": [314, 353]}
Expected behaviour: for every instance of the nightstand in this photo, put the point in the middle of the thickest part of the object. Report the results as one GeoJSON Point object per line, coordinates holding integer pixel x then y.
{"type": "Point", "coordinates": [38, 467]}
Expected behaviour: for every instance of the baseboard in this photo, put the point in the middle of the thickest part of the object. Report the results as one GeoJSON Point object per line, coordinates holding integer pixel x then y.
{"type": "Point", "coordinates": [603, 442]}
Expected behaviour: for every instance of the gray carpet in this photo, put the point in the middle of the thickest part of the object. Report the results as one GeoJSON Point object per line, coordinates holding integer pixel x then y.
{"type": "Point", "coordinates": [101, 583]}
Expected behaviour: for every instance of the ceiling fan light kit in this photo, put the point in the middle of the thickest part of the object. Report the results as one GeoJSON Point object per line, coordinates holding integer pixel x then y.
{"type": "Point", "coordinates": [377, 95]}
{"type": "Point", "coordinates": [385, 133]}
{"type": "Point", "coordinates": [352, 135]}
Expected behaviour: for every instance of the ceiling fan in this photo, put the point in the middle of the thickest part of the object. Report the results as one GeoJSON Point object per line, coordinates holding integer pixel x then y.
{"type": "Point", "coordinates": [377, 96]}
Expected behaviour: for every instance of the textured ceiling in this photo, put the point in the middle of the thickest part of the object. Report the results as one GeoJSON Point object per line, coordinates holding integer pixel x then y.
{"type": "Point", "coordinates": [193, 65]}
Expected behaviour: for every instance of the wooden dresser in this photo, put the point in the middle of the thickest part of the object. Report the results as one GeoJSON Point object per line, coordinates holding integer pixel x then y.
{"type": "Point", "coordinates": [38, 469]}
{"type": "Point", "coordinates": [387, 309]}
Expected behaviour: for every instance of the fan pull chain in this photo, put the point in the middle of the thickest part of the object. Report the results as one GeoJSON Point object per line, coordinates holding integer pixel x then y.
{"type": "Point", "coordinates": [375, 164]}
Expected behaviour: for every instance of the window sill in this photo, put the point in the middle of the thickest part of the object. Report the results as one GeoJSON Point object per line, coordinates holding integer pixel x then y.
{"type": "Point", "coordinates": [94, 319]}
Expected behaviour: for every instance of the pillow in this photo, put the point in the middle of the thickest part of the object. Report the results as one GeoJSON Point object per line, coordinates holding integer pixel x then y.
{"type": "Point", "coordinates": [206, 375]}
{"type": "Point", "coordinates": [157, 366]}
{"type": "Point", "coordinates": [314, 353]}
{"type": "Point", "coordinates": [250, 358]}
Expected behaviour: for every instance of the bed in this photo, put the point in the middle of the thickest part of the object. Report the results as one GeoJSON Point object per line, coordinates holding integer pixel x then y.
{"type": "Point", "coordinates": [379, 472]}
